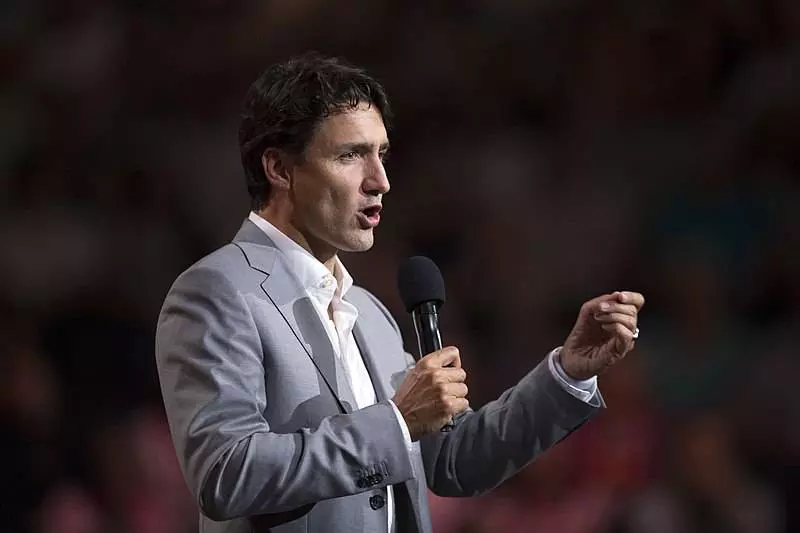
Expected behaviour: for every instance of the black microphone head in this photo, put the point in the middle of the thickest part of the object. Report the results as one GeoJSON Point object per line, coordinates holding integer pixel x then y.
{"type": "Point", "coordinates": [420, 281]}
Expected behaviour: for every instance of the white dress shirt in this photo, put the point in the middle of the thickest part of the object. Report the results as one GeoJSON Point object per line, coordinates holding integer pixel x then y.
{"type": "Point", "coordinates": [327, 294]}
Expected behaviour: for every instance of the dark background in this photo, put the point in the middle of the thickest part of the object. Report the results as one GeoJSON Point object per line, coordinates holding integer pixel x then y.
{"type": "Point", "coordinates": [544, 152]}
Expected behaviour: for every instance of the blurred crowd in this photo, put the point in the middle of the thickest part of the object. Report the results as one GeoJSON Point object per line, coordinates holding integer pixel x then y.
{"type": "Point", "coordinates": [544, 152]}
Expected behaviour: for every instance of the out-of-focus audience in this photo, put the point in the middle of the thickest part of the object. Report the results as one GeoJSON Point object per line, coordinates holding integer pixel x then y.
{"type": "Point", "coordinates": [543, 152]}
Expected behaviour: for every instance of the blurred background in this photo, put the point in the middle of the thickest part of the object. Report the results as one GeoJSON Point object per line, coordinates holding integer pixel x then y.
{"type": "Point", "coordinates": [544, 152]}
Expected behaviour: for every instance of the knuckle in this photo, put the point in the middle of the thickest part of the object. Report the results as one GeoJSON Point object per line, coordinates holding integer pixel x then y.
{"type": "Point", "coordinates": [455, 406]}
{"type": "Point", "coordinates": [447, 404]}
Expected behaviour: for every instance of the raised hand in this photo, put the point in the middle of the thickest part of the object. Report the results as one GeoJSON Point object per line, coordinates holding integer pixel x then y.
{"type": "Point", "coordinates": [433, 392]}
{"type": "Point", "coordinates": [605, 331]}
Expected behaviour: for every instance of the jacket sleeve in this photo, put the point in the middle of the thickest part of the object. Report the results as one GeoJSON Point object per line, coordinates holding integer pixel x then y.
{"type": "Point", "coordinates": [490, 445]}
{"type": "Point", "coordinates": [211, 368]}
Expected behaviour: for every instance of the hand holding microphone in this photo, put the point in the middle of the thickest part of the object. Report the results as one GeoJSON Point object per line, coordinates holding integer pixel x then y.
{"type": "Point", "coordinates": [434, 391]}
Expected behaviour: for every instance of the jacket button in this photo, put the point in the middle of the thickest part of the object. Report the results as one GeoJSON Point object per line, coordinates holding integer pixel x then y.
{"type": "Point", "coordinates": [376, 502]}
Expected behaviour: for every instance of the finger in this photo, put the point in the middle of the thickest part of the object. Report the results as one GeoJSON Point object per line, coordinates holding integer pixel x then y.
{"type": "Point", "coordinates": [455, 390]}
{"type": "Point", "coordinates": [613, 307]}
{"type": "Point", "coordinates": [623, 340]}
{"type": "Point", "coordinates": [621, 331]}
{"type": "Point", "coordinates": [456, 405]}
{"type": "Point", "coordinates": [450, 375]}
{"type": "Point", "coordinates": [619, 328]}
{"type": "Point", "coordinates": [629, 297]}
{"type": "Point", "coordinates": [611, 318]}
{"type": "Point", "coordinates": [593, 305]}
{"type": "Point", "coordinates": [448, 356]}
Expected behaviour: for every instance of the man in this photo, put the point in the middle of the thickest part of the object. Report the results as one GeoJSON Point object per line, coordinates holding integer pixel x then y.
{"type": "Point", "coordinates": [292, 403]}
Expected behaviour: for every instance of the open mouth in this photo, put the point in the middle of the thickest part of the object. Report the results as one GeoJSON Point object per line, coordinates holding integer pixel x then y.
{"type": "Point", "coordinates": [373, 211]}
{"type": "Point", "coordinates": [371, 215]}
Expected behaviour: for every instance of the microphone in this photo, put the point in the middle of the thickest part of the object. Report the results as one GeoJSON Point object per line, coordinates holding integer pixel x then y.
{"type": "Point", "coordinates": [422, 290]}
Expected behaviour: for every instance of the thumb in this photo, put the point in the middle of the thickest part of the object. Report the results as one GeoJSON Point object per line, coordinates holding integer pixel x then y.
{"type": "Point", "coordinates": [447, 356]}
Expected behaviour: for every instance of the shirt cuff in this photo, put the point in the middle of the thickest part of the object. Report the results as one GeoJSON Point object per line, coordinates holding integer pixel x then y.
{"type": "Point", "coordinates": [403, 426]}
{"type": "Point", "coordinates": [583, 390]}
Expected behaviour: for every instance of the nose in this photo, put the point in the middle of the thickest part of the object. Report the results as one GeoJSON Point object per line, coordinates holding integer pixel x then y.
{"type": "Point", "coordinates": [376, 181]}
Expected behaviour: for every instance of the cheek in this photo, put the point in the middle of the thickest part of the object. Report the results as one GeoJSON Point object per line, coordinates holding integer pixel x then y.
{"type": "Point", "coordinates": [333, 210]}
{"type": "Point", "coordinates": [310, 194]}
{"type": "Point", "coordinates": [337, 199]}
{"type": "Point", "coordinates": [325, 194]}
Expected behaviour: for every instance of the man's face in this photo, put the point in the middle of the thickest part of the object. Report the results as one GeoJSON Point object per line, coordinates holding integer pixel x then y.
{"type": "Point", "coordinates": [337, 188]}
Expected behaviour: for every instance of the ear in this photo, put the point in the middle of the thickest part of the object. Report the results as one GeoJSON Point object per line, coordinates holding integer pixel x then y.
{"type": "Point", "coordinates": [277, 168]}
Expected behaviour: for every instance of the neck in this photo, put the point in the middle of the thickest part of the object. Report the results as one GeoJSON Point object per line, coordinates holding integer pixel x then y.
{"type": "Point", "coordinates": [282, 219]}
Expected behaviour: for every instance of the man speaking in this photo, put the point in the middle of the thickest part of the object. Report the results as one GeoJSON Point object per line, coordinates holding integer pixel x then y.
{"type": "Point", "coordinates": [292, 403]}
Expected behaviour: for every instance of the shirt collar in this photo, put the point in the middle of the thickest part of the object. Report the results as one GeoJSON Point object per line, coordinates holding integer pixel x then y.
{"type": "Point", "coordinates": [311, 273]}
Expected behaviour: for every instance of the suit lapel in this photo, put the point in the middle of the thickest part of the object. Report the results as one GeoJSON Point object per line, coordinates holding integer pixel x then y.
{"type": "Point", "coordinates": [369, 346]}
{"type": "Point", "coordinates": [294, 304]}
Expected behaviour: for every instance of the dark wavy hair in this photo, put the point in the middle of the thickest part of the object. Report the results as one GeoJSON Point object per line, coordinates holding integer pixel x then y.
{"type": "Point", "coordinates": [285, 104]}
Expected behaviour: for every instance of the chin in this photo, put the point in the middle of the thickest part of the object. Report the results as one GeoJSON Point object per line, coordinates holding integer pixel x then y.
{"type": "Point", "coordinates": [360, 242]}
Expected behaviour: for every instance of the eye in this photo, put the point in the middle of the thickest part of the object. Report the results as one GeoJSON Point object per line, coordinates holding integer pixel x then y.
{"type": "Point", "coordinates": [349, 156]}
{"type": "Point", "coordinates": [384, 156]}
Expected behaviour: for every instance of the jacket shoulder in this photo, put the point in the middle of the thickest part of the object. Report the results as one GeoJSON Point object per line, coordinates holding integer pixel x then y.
{"type": "Point", "coordinates": [227, 266]}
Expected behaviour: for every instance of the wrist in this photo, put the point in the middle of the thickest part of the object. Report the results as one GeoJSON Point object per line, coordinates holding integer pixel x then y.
{"type": "Point", "coordinates": [407, 437]}
{"type": "Point", "coordinates": [566, 364]}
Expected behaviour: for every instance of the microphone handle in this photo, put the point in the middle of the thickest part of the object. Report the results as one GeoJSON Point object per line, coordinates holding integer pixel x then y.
{"type": "Point", "coordinates": [426, 326]}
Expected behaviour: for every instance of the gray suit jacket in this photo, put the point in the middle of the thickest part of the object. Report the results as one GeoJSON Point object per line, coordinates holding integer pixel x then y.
{"type": "Point", "coordinates": [263, 420]}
